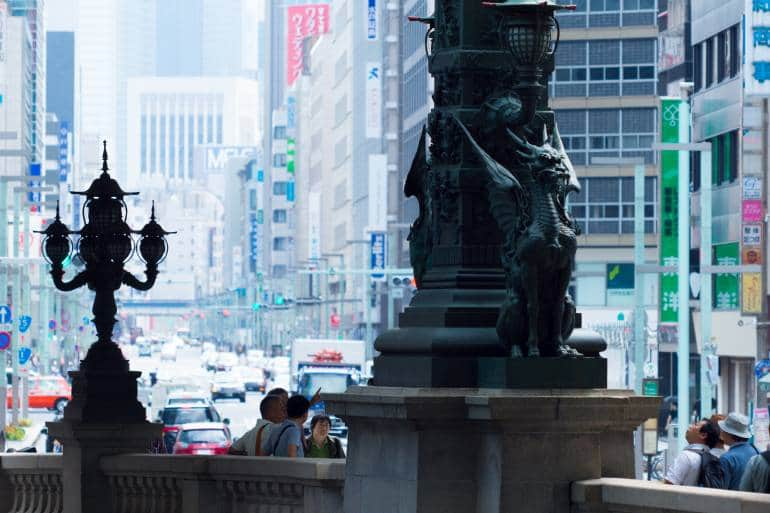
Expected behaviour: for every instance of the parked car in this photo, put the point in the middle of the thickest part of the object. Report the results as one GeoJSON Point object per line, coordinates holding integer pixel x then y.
{"type": "Point", "coordinates": [254, 379]}
{"type": "Point", "coordinates": [168, 352]}
{"type": "Point", "coordinates": [226, 361]}
{"type": "Point", "coordinates": [209, 359]}
{"type": "Point", "coordinates": [228, 384]}
{"type": "Point", "coordinates": [50, 392]}
{"type": "Point", "coordinates": [203, 438]}
{"type": "Point", "coordinates": [173, 417]}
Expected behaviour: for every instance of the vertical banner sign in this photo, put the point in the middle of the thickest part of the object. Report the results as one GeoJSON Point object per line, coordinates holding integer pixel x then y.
{"type": "Point", "coordinates": [751, 242]}
{"type": "Point", "coordinates": [757, 47]}
{"type": "Point", "coordinates": [63, 151]}
{"type": "Point", "coordinates": [260, 242]}
{"type": "Point", "coordinates": [371, 20]}
{"type": "Point", "coordinates": [669, 176]}
{"type": "Point", "coordinates": [378, 191]}
{"type": "Point", "coordinates": [303, 21]}
{"type": "Point", "coordinates": [373, 100]}
{"type": "Point", "coordinates": [290, 152]}
{"type": "Point", "coordinates": [3, 17]}
{"type": "Point", "coordinates": [377, 261]}
{"type": "Point", "coordinates": [726, 285]}
{"type": "Point", "coordinates": [314, 225]}
{"type": "Point", "coordinates": [34, 171]}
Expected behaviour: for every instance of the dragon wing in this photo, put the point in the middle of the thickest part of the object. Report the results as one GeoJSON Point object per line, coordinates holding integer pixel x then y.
{"type": "Point", "coordinates": [415, 179]}
{"type": "Point", "coordinates": [501, 187]}
{"type": "Point", "coordinates": [573, 185]}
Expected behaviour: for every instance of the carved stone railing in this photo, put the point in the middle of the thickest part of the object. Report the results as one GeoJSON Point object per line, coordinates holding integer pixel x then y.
{"type": "Point", "coordinates": [209, 484]}
{"type": "Point", "coordinates": [629, 496]}
{"type": "Point", "coordinates": [30, 483]}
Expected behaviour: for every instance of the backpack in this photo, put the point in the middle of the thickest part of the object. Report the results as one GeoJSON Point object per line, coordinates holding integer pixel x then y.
{"type": "Point", "coordinates": [711, 474]}
{"type": "Point", "coordinates": [766, 456]}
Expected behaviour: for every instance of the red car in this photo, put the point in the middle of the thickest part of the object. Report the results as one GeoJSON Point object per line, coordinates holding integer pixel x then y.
{"type": "Point", "coordinates": [203, 438]}
{"type": "Point", "coordinates": [174, 417]}
{"type": "Point", "coordinates": [50, 392]}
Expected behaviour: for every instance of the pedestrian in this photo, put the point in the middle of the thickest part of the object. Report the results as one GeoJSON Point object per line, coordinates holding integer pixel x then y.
{"type": "Point", "coordinates": [756, 477]}
{"type": "Point", "coordinates": [286, 438]}
{"type": "Point", "coordinates": [719, 448]}
{"type": "Point", "coordinates": [687, 467]}
{"type": "Point", "coordinates": [280, 392]}
{"type": "Point", "coordinates": [319, 444]}
{"type": "Point", "coordinates": [273, 412]}
{"type": "Point", "coordinates": [735, 434]}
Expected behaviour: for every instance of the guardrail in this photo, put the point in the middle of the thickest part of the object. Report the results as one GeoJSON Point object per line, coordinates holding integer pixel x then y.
{"type": "Point", "coordinates": [145, 483]}
{"type": "Point", "coordinates": [610, 495]}
{"type": "Point", "coordinates": [30, 483]}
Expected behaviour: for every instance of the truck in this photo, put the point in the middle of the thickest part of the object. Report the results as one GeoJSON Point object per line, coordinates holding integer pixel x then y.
{"type": "Point", "coordinates": [329, 364]}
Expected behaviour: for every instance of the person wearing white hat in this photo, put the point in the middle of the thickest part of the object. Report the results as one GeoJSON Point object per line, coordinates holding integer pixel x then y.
{"type": "Point", "coordinates": [736, 434]}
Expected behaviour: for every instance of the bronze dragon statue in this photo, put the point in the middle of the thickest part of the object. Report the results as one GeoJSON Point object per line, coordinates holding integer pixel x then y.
{"type": "Point", "coordinates": [528, 179]}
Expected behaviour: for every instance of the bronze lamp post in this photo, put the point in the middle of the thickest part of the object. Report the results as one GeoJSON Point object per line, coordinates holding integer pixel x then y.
{"type": "Point", "coordinates": [105, 245]}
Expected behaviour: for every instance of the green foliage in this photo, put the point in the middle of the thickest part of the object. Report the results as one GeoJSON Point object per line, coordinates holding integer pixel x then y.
{"type": "Point", "coordinates": [14, 433]}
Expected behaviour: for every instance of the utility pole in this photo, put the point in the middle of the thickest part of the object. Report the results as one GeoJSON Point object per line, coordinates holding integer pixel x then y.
{"type": "Point", "coordinates": [707, 348]}
{"type": "Point", "coordinates": [683, 349]}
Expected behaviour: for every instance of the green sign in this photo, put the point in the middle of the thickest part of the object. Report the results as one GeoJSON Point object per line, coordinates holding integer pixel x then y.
{"type": "Point", "coordinates": [726, 288]}
{"type": "Point", "coordinates": [620, 276]}
{"type": "Point", "coordinates": [290, 155]}
{"type": "Point", "coordinates": [669, 190]}
{"type": "Point", "coordinates": [650, 387]}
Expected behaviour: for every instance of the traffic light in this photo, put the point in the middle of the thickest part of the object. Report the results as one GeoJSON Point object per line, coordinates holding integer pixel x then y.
{"type": "Point", "coordinates": [256, 307]}
{"type": "Point", "coordinates": [334, 320]}
{"type": "Point", "coordinates": [402, 281]}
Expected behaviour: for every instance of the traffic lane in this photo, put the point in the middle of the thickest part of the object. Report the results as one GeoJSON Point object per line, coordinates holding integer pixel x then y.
{"type": "Point", "coordinates": [242, 416]}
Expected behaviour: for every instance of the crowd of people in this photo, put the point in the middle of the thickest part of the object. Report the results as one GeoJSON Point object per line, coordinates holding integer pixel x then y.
{"type": "Point", "coordinates": [719, 455]}
{"type": "Point", "coordinates": [280, 431]}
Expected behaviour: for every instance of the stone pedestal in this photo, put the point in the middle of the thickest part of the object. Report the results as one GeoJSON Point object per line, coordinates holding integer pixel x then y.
{"type": "Point", "coordinates": [482, 450]}
{"type": "Point", "coordinates": [85, 486]}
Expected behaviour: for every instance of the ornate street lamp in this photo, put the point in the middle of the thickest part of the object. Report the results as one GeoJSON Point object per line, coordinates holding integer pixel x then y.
{"type": "Point", "coordinates": [105, 245]}
{"type": "Point", "coordinates": [529, 30]}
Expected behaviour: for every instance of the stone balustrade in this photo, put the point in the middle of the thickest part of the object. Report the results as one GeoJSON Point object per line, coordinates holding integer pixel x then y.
{"type": "Point", "coordinates": [191, 484]}
{"type": "Point", "coordinates": [610, 495]}
{"type": "Point", "coordinates": [30, 483]}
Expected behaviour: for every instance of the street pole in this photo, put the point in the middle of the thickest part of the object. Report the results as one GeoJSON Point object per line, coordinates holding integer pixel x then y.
{"type": "Point", "coordinates": [14, 349]}
{"type": "Point", "coordinates": [3, 356]}
{"type": "Point", "coordinates": [683, 349]}
{"type": "Point", "coordinates": [25, 300]}
{"type": "Point", "coordinates": [706, 390]}
{"type": "Point", "coordinates": [640, 332]}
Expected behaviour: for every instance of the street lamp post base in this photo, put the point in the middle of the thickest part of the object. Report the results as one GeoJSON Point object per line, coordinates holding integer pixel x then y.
{"type": "Point", "coordinates": [103, 396]}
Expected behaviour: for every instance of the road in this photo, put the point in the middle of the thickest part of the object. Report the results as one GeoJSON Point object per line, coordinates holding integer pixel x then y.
{"type": "Point", "coordinates": [242, 416]}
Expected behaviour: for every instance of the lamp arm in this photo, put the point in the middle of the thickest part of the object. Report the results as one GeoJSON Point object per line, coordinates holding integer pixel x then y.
{"type": "Point", "coordinates": [57, 272]}
{"type": "Point", "coordinates": [132, 281]}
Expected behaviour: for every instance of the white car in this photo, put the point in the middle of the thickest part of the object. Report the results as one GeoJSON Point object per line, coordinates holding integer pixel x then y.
{"type": "Point", "coordinates": [168, 352]}
{"type": "Point", "coordinates": [253, 378]}
{"type": "Point", "coordinates": [228, 384]}
{"type": "Point", "coordinates": [187, 397]}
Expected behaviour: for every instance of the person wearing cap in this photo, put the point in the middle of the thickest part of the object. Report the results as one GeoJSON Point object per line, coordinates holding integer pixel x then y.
{"type": "Point", "coordinates": [756, 477]}
{"type": "Point", "coordinates": [736, 434]}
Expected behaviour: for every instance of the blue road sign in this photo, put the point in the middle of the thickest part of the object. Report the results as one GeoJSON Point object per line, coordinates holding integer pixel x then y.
{"type": "Point", "coordinates": [52, 324]}
{"type": "Point", "coordinates": [5, 314]}
{"type": "Point", "coordinates": [25, 321]}
{"type": "Point", "coordinates": [5, 340]}
{"type": "Point", "coordinates": [377, 261]}
{"type": "Point", "coordinates": [24, 355]}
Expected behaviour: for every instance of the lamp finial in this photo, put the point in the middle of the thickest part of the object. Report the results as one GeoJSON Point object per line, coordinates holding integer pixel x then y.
{"type": "Point", "coordinates": [105, 168]}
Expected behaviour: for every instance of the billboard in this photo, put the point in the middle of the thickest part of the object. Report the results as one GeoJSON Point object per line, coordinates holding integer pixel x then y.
{"type": "Point", "coordinates": [756, 77]}
{"type": "Point", "coordinates": [373, 100]}
{"type": "Point", "coordinates": [726, 285]}
{"type": "Point", "coordinates": [378, 191]}
{"type": "Point", "coordinates": [303, 21]}
{"type": "Point", "coordinates": [371, 20]}
{"type": "Point", "coordinates": [214, 159]}
{"type": "Point", "coordinates": [64, 131]}
{"type": "Point", "coordinates": [669, 230]}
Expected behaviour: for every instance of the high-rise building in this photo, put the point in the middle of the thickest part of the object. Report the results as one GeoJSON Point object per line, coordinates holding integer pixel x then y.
{"type": "Point", "coordinates": [604, 92]}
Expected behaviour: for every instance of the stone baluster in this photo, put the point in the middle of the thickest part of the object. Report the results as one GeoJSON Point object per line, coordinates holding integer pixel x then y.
{"type": "Point", "coordinates": [36, 492]}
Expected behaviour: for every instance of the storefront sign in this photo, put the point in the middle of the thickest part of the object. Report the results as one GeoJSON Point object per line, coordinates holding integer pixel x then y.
{"type": "Point", "coordinates": [303, 21]}
{"type": "Point", "coordinates": [751, 293]}
{"type": "Point", "coordinates": [752, 211]}
{"type": "Point", "coordinates": [756, 49]}
{"type": "Point", "coordinates": [726, 285]}
{"type": "Point", "coordinates": [752, 235]}
{"type": "Point", "coordinates": [752, 256]}
{"type": "Point", "coordinates": [669, 176]}
{"type": "Point", "coordinates": [752, 188]}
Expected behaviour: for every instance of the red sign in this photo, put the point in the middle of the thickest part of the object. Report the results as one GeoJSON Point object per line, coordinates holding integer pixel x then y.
{"type": "Point", "coordinates": [303, 21]}
{"type": "Point", "coordinates": [752, 211]}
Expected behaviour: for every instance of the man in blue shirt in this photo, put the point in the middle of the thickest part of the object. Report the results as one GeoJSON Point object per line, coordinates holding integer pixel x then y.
{"type": "Point", "coordinates": [286, 439]}
{"type": "Point", "coordinates": [736, 434]}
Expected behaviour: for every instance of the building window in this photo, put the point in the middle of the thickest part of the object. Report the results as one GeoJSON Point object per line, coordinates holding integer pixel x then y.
{"type": "Point", "coordinates": [735, 51]}
{"type": "Point", "coordinates": [606, 205]}
{"type": "Point", "coordinates": [279, 160]}
{"type": "Point", "coordinates": [279, 216]}
{"type": "Point", "coordinates": [723, 60]}
{"type": "Point", "coordinates": [253, 199]}
{"type": "Point", "coordinates": [280, 188]}
{"type": "Point", "coordinates": [280, 271]}
{"type": "Point", "coordinates": [280, 244]}
{"type": "Point", "coordinates": [279, 132]}
{"type": "Point", "coordinates": [709, 62]}
{"type": "Point", "coordinates": [697, 60]}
